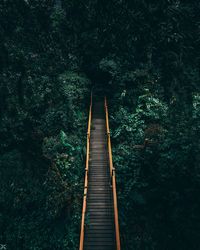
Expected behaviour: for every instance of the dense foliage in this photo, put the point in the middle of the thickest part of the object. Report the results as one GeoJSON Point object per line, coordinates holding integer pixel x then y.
{"type": "Point", "coordinates": [145, 55]}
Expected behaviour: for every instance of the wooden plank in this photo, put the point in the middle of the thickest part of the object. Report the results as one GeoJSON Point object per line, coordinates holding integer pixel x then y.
{"type": "Point", "coordinates": [99, 231]}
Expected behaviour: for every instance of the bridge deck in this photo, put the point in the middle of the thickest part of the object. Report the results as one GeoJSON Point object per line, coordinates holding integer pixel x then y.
{"type": "Point", "coordinates": [100, 229]}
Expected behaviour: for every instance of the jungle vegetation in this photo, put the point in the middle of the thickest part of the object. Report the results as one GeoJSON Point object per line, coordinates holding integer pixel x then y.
{"type": "Point", "coordinates": [145, 55]}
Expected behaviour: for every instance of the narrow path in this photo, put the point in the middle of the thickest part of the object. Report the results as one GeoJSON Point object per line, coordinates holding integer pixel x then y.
{"type": "Point", "coordinates": [100, 229]}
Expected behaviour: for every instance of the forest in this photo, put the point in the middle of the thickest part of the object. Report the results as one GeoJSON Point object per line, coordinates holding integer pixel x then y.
{"type": "Point", "coordinates": [145, 56]}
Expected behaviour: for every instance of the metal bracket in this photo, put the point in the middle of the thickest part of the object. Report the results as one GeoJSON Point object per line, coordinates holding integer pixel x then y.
{"type": "Point", "coordinates": [113, 171]}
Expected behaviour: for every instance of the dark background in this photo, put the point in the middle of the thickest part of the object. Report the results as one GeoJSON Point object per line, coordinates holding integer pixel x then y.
{"type": "Point", "coordinates": [144, 54]}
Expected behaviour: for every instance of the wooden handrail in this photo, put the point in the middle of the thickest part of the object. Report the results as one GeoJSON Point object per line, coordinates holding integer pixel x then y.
{"type": "Point", "coordinates": [86, 178]}
{"type": "Point", "coordinates": [112, 174]}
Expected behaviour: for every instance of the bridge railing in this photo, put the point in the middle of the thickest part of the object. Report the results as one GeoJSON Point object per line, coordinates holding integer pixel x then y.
{"type": "Point", "coordinates": [113, 179]}
{"type": "Point", "coordinates": [86, 178]}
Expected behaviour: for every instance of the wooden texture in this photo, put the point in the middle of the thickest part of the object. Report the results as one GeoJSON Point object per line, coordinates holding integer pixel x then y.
{"type": "Point", "coordinates": [86, 179]}
{"type": "Point", "coordinates": [112, 174]}
{"type": "Point", "coordinates": [98, 227]}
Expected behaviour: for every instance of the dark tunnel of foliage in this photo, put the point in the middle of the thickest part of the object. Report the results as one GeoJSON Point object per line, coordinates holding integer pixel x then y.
{"type": "Point", "coordinates": [145, 56]}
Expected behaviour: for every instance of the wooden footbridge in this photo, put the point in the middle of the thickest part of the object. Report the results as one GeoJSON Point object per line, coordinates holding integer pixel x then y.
{"type": "Point", "coordinates": [99, 225]}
